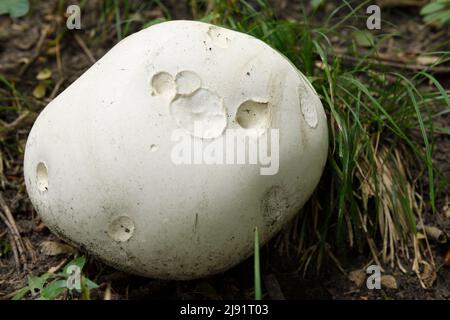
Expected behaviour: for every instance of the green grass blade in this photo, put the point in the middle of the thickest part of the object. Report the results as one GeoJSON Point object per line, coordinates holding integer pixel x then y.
{"type": "Point", "coordinates": [257, 268]}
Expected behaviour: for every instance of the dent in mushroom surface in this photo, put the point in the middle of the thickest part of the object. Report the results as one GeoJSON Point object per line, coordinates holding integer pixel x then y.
{"type": "Point", "coordinates": [202, 113]}
{"type": "Point", "coordinates": [187, 82]}
{"type": "Point", "coordinates": [162, 83]}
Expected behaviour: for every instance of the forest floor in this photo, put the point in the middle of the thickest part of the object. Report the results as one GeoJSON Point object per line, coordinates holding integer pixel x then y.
{"type": "Point", "coordinates": [28, 50]}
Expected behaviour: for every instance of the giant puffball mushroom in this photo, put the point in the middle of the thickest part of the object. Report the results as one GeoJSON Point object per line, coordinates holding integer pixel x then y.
{"type": "Point", "coordinates": [108, 163]}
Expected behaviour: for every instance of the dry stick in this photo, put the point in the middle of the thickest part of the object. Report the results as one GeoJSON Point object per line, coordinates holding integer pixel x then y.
{"type": "Point", "coordinates": [391, 63]}
{"type": "Point", "coordinates": [9, 221]}
{"type": "Point", "coordinates": [58, 59]}
{"type": "Point", "coordinates": [84, 48]}
{"type": "Point", "coordinates": [14, 250]}
{"type": "Point", "coordinates": [19, 122]}
{"type": "Point", "coordinates": [37, 50]}
{"type": "Point", "coordinates": [56, 88]}
{"type": "Point", "coordinates": [15, 243]}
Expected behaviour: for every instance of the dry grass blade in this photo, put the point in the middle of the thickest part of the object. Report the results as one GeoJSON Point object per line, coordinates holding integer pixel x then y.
{"type": "Point", "coordinates": [10, 223]}
{"type": "Point", "coordinates": [22, 120]}
{"type": "Point", "coordinates": [53, 248]}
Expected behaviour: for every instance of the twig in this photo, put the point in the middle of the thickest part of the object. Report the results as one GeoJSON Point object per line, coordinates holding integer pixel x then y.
{"type": "Point", "coordinates": [37, 50]}
{"type": "Point", "coordinates": [84, 48]}
{"type": "Point", "coordinates": [19, 122]}
{"type": "Point", "coordinates": [10, 223]}
{"type": "Point", "coordinates": [14, 250]}
{"type": "Point", "coordinates": [390, 63]}
{"type": "Point", "coordinates": [56, 88]}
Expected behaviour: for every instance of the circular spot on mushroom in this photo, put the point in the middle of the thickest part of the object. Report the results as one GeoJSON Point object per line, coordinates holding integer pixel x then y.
{"type": "Point", "coordinates": [219, 37]}
{"type": "Point", "coordinates": [42, 177]}
{"type": "Point", "coordinates": [187, 82]}
{"type": "Point", "coordinates": [275, 205]}
{"type": "Point", "coordinates": [202, 113]}
{"type": "Point", "coordinates": [308, 104]}
{"type": "Point", "coordinates": [154, 147]}
{"type": "Point", "coordinates": [121, 229]}
{"type": "Point", "coordinates": [253, 115]}
{"type": "Point", "coordinates": [163, 84]}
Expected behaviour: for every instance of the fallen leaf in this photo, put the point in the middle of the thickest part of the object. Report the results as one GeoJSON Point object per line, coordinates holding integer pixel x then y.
{"type": "Point", "coordinates": [39, 91]}
{"type": "Point", "coordinates": [44, 74]}
{"type": "Point", "coordinates": [389, 282]}
{"type": "Point", "coordinates": [427, 60]}
{"type": "Point", "coordinates": [447, 258]}
{"type": "Point", "coordinates": [428, 275]}
{"type": "Point", "coordinates": [436, 234]}
{"type": "Point", "coordinates": [53, 248]}
{"type": "Point", "coordinates": [357, 277]}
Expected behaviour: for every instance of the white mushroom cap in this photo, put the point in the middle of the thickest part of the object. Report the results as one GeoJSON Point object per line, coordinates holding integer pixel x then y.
{"type": "Point", "coordinates": [99, 161]}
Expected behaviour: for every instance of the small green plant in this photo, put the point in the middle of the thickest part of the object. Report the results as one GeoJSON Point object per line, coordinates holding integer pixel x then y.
{"type": "Point", "coordinates": [50, 286]}
{"type": "Point", "coordinates": [257, 267]}
{"type": "Point", "coordinates": [437, 11]}
{"type": "Point", "coordinates": [15, 8]}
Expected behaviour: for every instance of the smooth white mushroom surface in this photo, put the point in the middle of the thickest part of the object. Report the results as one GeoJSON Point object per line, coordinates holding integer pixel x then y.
{"type": "Point", "coordinates": [140, 160]}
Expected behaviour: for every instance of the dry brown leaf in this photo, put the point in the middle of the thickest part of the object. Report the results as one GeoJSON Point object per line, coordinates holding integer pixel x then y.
{"type": "Point", "coordinates": [436, 234]}
{"type": "Point", "coordinates": [447, 258]}
{"type": "Point", "coordinates": [388, 281]}
{"type": "Point", "coordinates": [357, 277]}
{"type": "Point", "coordinates": [53, 248]}
{"type": "Point", "coordinates": [427, 60]}
{"type": "Point", "coordinates": [428, 276]}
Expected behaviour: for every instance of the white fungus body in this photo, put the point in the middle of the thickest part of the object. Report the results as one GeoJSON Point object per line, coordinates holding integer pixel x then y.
{"type": "Point", "coordinates": [103, 165]}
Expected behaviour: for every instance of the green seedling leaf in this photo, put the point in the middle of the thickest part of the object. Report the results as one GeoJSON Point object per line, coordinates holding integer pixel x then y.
{"type": "Point", "coordinates": [21, 293]}
{"type": "Point", "coordinates": [52, 290]}
{"type": "Point", "coordinates": [36, 284]}
{"type": "Point", "coordinates": [432, 8]}
{"type": "Point", "coordinates": [90, 284]}
{"type": "Point", "coordinates": [257, 269]}
{"type": "Point", "coordinates": [79, 262]}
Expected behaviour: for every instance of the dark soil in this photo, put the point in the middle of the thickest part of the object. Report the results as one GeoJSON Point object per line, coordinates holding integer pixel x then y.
{"type": "Point", "coordinates": [24, 52]}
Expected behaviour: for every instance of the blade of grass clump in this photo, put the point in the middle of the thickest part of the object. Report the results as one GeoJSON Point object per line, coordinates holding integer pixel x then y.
{"type": "Point", "coordinates": [257, 269]}
{"type": "Point", "coordinates": [442, 91]}
{"type": "Point", "coordinates": [428, 147]}
{"type": "Point", "coordinates": [118, 20]}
